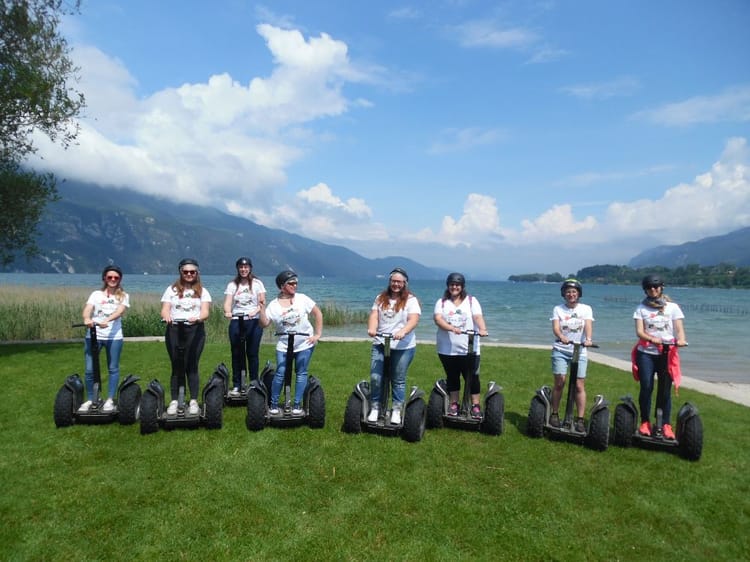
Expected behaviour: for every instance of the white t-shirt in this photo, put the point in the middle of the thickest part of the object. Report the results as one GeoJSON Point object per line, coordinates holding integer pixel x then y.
{"type": "Point", "coordinates": [390, 321]}
{"type": "Point", "coordinates": [462, 317]}
{"type": "Point", "coordinates": [186, 307]}
{"type": "Point", "coordinates": [105, 304]}
{"type": "Point", "coordinates": [292, 319]}
{"type": "Point", "coordinates": [658, 323]}
{"type": "Point", "coordinates": [572, 323]}
{"type": "Point", "coordinates": [245, 298]}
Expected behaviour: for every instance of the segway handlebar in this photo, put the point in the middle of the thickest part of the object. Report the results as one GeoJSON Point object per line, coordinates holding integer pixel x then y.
{"type": "Point", "coordinates": [291, 333]}
{"type": "Point", "coordinates": [596, 345]}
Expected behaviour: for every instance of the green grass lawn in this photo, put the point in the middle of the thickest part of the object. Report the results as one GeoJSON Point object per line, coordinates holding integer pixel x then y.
{"type": "Point", "coordinates": [106, 492]}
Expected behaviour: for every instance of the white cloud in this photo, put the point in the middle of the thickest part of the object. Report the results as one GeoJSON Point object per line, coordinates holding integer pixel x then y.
{"type": "Point", "coordinates": [478, 224]}
{"type": "Point", "coordinates": [714, 203]}
{"type": "Point", "coordinates": [621, 86]}
{"type": "Point", "coordinates": [457, 140]}
{"type": "Point", "coordinates": [488, 33]}
{"type": "Point", "coordinates": [732, 105]}
{"type": "Point", "coordinates": [555, 223]}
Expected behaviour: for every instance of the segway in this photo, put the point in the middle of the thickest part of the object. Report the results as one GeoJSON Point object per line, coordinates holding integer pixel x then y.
{"type": "Point", "coordinates": [596, 435]}
{"type": "Point", "coordinates": [259, 397]}
{"type": "Point", "coordinates": [154, 411]}
{"type": "Point", "coordinates": [70, 396]}
{"type": "Point", "coordinates": [412, 424]}
{"type": "Point", "coordinates": [688, 441]}
{"type": "Point", "coordinates": [240, 399]}
{"type": "Point", "coordinates": [438, 406]}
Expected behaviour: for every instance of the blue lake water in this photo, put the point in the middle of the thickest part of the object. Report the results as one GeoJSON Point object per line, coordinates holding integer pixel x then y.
{"type": "Point", "coordinates": [716, 320]}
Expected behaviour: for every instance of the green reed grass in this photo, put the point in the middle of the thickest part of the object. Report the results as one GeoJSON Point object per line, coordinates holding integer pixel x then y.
{"type": "Point", "coordinates": [28, 314]}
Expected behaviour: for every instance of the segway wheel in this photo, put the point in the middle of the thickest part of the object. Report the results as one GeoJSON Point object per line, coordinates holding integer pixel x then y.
{"type": "Point", "coordinates": [64, 404]}
{"type": "Point", "coordinates": [624, 426]}
{"type": "Point", "coordinates": [353, 415]}
{"type": "Point", "coordinates": [435, 410]}
{"type": "Point", "coordinates": [494, 414]}
{"type": "Point", "coordinates": [535, 421]}
{"type": "Point", "coordinates": [255, 420]}
{"type": "Point", "coordinates": [691, 439]}
{"type": "Point", "coordinates": [129, 404]}
{"type": "Point", "coordinates": [598, 435]}
{"type": "Point", "coordinates": [316, 407]}
{"type": "Point", "coordinates": [149, 414]}
{"type": "Point", "coordinates": [214, 402]}
{"type": "Point", "coordinates": [414, 421]}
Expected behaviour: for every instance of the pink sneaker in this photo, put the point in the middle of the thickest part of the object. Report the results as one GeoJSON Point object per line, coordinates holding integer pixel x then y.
{"type": "Point", "coordinates": [645, 428]}
{"type": "Point", "coordinates": [668, 432]}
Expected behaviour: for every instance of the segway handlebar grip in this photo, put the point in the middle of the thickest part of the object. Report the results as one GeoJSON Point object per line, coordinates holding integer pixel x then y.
{"type": "Point", "coordinates": [292, 333]}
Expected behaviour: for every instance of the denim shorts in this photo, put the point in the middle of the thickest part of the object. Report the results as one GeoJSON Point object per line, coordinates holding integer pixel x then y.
{"type": "Point", "coordinates": [560, 362]}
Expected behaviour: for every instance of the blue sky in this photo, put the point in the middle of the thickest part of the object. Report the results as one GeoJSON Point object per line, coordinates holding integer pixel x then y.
{"type": "Point", "coordinates": [487, 137]}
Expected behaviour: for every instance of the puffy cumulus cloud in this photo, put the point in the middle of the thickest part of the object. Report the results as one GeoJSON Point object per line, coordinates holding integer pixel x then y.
{"type": "Point", "coordinates": [478, 225]}
{"type": "Point", "coordinates": [217, 143]}
{"type": "Point", "coordinates": [730, 105]}
{"type": "Point", "coordinates": [553, 224]}
{"type": "Point", "coordinates": [714, 203]}
{"type": "Point", "coordinates": [320, 214]}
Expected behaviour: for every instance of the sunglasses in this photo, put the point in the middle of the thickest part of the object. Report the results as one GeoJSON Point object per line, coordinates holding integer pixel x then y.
{"type": "Point", "coordinates": [653, 286]}
{"type": "Point", "coordinates": [293, 283]}
{"type": "Point", "coordinates": [189, 271]}
{"type": "Point", "coordinates": [113, 277]}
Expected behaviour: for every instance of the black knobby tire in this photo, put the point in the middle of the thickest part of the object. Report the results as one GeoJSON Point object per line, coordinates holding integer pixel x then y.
{"type": "Point", "coordinates": [494, 414]}
{"type": "Point", "coordinates": [691, 439]}
{"type": "Point", "coordinates": [435, 409]}
{"type": "Point", "coordinates": [316, 408]}
{"type": "Point", "coordinates": [129, 404]}
{"type": "Point", "coordinates": [255, 420]}
{"type": "Point", "coordinates": [149, 414]}
{"type": "Point", "coordinates": [598, 435]}
{"type": "Point", "coordinates": [214, 402]}
{"type": "Point", "coordinates": [64, 404]}
{"type": "Point", "coordinates": [535, 421]}
{"type": "Point", "coordinates": [624, 426]}
{"type": "Point", "coordinates": [353, 415]}
{"type": "Point", "coordinates": [414, 421]}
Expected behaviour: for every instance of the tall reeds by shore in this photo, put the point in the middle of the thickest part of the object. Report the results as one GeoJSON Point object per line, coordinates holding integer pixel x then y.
{"type": "Point", "coordinates": [32, 314]}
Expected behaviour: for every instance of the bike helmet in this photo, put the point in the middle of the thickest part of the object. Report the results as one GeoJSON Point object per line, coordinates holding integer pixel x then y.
{"type": "Point", "coordinates": [400, 272]}
{"type": "Point", "coordinates": [284, 277]}
{"type": "Point", "coordinates": [456, 278]}
{"type": "Point", "coordinates": [571, 283]}
{"type": "Point", "coordinates": [187, 261]}
{"type": "Point", "coordinates": [111, 268]}
{"type": "Point", "coordinates": [650, 280]}
{"type": "Point", "coordinates": [243, 261]}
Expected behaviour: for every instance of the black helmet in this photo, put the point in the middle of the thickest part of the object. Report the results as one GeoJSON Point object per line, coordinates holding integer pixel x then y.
{"type": "Point", "coordinates": [650, 280]}
{"type": "Point", "coordinates": [400, 272]}
{"type": "Point", "coordinates": [284, 277]}
{"type": "Point", "coordinates": [187, 261]}
{"type": "Point", "coordinates": [111, 268]}
{"type": "Point", "coordinates": [243, 261]}
{"type": "Point", "coordinates": [456, 278]}
{"type": "Point", "coordinates": [571, 283]}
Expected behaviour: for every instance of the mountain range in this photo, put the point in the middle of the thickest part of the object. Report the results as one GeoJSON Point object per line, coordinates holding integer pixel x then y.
{"type": "Point", "coordinates": [89, 227]}
{"type": "Point", "coordinates": [731, 248]}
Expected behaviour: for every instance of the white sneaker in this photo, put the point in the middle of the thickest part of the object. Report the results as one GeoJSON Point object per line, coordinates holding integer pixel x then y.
{"type": "Point", "coordinates": [109, 406]}
{"type": "Point", "coordinates": [172, 408]}
{"type": "Point", "coordinates": [396, 416]}
{"type": "Point", "coordinates": [373, 417]}
{"type": "Point", "coordinates": [274, 410]}
{"type": "Point", "coordinates": [297, 410]}
{"type": "Point", "coordinates": [194, 410]}
{"type": "Point", "coordinates": [83, 408]}
{"type": "Point", "coordinates": [234, 392]}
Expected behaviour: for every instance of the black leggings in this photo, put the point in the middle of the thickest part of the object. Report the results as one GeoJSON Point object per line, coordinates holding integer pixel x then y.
{"type": "Point", "coordinates": [457, 365]}
{"type": "Point", "coordinates": [195, 339]}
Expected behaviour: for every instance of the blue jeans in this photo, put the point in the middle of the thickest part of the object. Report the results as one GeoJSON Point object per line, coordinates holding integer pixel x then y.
{"type": "Point", "coordinates": [301, 361]}
{"type": "Point", "coordinates": [648, 366]}
{"type": "Point", "coordinates": [113, 348]}
{"type": "Point", "coordinates": [400, 361]}
{"type": "Point", "coordinates": [253, 335]}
